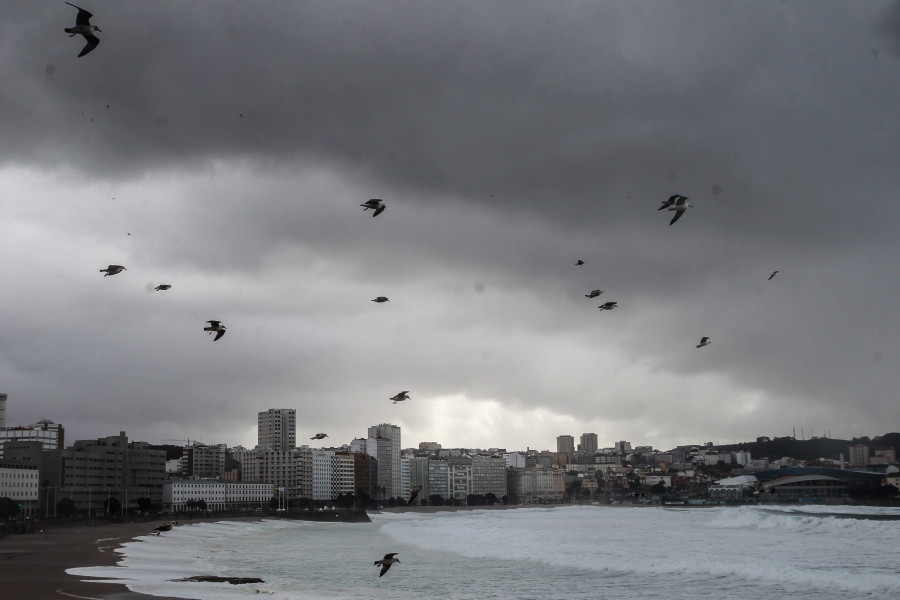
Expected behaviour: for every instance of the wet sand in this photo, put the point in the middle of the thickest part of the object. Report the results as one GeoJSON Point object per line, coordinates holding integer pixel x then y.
{"type": "Point", "coordinates": [33, 565]}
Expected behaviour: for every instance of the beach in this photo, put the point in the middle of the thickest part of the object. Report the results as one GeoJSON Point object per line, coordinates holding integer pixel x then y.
{"type": "Point", "coordinates": [33, 565]}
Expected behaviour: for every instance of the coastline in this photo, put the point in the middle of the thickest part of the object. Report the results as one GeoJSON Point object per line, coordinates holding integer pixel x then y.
{"type": "Point", "coordinates": [33, 565]}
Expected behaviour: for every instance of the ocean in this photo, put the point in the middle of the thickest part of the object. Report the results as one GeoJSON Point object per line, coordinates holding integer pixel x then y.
{"type": "Point", "coordinates": [568, 553]}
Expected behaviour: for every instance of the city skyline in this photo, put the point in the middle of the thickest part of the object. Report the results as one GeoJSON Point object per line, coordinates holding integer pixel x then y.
{"type": "Point", "coordinates": [521, 150]}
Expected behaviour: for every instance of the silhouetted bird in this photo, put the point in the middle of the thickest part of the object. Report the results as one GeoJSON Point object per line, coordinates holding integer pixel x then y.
{"type": "Point", "coordinates": [215, 327]}
{"type": "Point", "coordinates": [380, 299]}
{"type": "Point", "coordinates": [375, 204]}
{"type": "Point", "coordinates": [112, 270]}
{"type": "Point", "coordinates": [404, 395]}
{"type": "Point", "coordinates": [167, 526]}
{"type": "Point", "coordinates": [608, 305]}
{"type": "Point", "coordinates": [593, 294]}
{"type": "Point", "coordinates": [319, 436]}
{"type": "Point", "coordinates": [774, 273]}
{"type": "Point", "coordinates": [413, 495]}
{"type": "Point", "coordinates": [704, 341]}
{"type": "Point", "coordinates": [386, 562]}
{"type": "Point", "coordinates": [579, 262]}
{"type": "Point", "coordinates": [162, 287]}
{"type": "Point", "coordinates": [83, 27]}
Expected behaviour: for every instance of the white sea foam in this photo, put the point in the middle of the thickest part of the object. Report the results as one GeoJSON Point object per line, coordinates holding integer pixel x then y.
{"type": "Point", "coordinates": [574, 552]}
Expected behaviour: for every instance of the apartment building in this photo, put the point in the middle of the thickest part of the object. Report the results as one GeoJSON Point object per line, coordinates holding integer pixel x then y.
{"type": "Point", "coordinates": [217, 494]}
{"type": "Point", "coordinates": [277, 429]}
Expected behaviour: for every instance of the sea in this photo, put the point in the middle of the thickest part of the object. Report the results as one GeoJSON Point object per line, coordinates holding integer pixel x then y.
{"type": "Point", "coordinates": [565, 553]}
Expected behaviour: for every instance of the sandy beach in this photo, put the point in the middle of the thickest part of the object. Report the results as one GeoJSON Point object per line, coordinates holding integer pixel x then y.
{"type": "Point", "coordinates": [33, 565]}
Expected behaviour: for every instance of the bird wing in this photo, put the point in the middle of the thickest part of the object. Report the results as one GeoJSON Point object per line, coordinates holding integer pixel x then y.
{"type": "Point", "coordinates": [83, 17]}
{"type": "Point", "coordinates": [92, 41]}
{"type": "Point", "coordinates": [384, 568]}
{"type": "Point", "coordinates": [677, 216]}
{"type": "Point", "coordinates": [391, 555]}
{"type": "Point", "coordinates": [378, 210]}
{"type": "Point", "coordinates": [220, 334]}
{"type": "Point", "coordinates": [214, 323]}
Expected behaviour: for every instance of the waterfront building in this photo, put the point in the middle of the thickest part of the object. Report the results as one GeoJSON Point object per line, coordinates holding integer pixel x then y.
{"type": "Point", "coordinates": [489, 476]}
{"type": "Point", "coordinates": [3, 398]}
{"type": "Point", "coordinates": [384, 444]}
{"type": "Point", "coordinates": [322, 470]}
{"type": "Point", "coordinates": [535, 485]}
{"type": "Point", "coordinates": [343, 474]}
{"type": "Point", "coordinates": [278, 429]}
{"type": "Point", "coordinates": [218, 494]}
{"type": "Point", "coordinates": [93, 472]}
{"type": "Point", "coordinates": [459, 471]}
{"type": "Point", "coordinates": [200, 460]}
{"type": "Point", "coordinates": [438, 478]}
{"type": "Point", "coordinates": [21, 484]}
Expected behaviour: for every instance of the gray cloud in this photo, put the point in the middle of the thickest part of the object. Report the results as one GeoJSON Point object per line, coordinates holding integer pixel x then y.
{"type": "Point", "coordinates": [507, 139]}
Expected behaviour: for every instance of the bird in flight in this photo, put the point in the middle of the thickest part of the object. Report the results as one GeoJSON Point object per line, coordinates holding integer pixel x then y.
{"type": "Point", "coordinates": [112, 270]}
{"type": "Point", "coordinates": [579, 262]}
{"type": "Point", "coordinates": [217, 327]}
{"type": "Point", "coordinates": [704, 341]}
{"type": "Point", "coordinates": [404, 395]}
{"type": "Point", "coordinates": [83, 26]}
{"type": "Point", "coordinates": [608, 305]}
{"type": "Point", "coordinates": [670, 201]}
{"type": "Point", "coordinates": [774, 273]}
{"type": "Point", "coordinates": [375, 204]}
{"type": "Point", "coordinates": [414, 493]}
{"type": "Point", "coordinates": [679, 207]}
{"type": "Point", "coordinates": [380, 299]}
{"type": "Point", "coordinates": [319, 436]}
{"type": "Point", "coordinates": [593, 294]}
{"type": "Point", "coordinates": [162, 287]}
{"type": "Point", "coordinates": [386, 562]}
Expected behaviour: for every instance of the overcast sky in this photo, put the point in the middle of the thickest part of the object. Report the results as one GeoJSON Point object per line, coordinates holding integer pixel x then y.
{"type": "Point", "coordinates": [225, 148]}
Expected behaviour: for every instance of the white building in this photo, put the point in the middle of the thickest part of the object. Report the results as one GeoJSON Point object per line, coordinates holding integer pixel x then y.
{"type": "Point", "coordinates": [21, 484]}
{"type": "Point", "coordinates": [322, 470]}
{"type": "Point", "coordinates": [218, 494]}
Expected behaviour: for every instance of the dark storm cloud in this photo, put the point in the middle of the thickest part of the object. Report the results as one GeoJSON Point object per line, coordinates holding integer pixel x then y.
{"type": "Point", "coordinates": [236, 141]}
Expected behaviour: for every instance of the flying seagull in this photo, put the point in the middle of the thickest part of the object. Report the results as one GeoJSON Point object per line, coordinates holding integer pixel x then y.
{"type": "Point", "coordinates": [319, 436]}
{"type": "Point", "coordinates": [375, 204]}
{"type": "Point", "coordinates": [608, 305]}
{"type": "Point", "coordinates": [380, 299]}
{"type": "Point", "coordinates": [386, 562]}
{"type": "Point", "coordinates": [404, 395]}
{"type": "Point", "coordinates": [579, 262]}
{"type": "Point", "coordinates": [670, 201]}
{"type": "Point", "coordinates": [217, 327]}
{"type": "Point", "coordinates": [83, 26]}
{"type": "Point", "coordinates": [593, 294]}
{"type": "Point", "coordinates": [162, 287]}
{"type": "Point", "coordinates": [414, 493]}
{"type": "Point", "coordinates": [679, 208]}
{"type": "Point", "coordinates": [704, 341]}
{"type": "Point", "coordinates": [774, 273]}
{"type": "Point", "coordinates": [112, 270]}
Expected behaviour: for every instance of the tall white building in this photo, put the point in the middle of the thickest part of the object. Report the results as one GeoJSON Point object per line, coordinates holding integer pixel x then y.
{"type": "Point", "coordinates": [278, 429]}
{"type": "Point", "coordinates": [387, 451]}
{"type": "Point", "coordinates": [322, 469]}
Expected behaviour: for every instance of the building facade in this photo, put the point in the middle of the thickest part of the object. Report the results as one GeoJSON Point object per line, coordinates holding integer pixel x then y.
{"type": "Point", "coordinates": [217, 494]}
{"type": "Point", "coordinates": [278, 429]}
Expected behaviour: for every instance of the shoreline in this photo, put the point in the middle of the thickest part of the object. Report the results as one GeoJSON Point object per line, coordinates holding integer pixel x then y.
{"type": "Point", "coordinates": [33, 565]}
